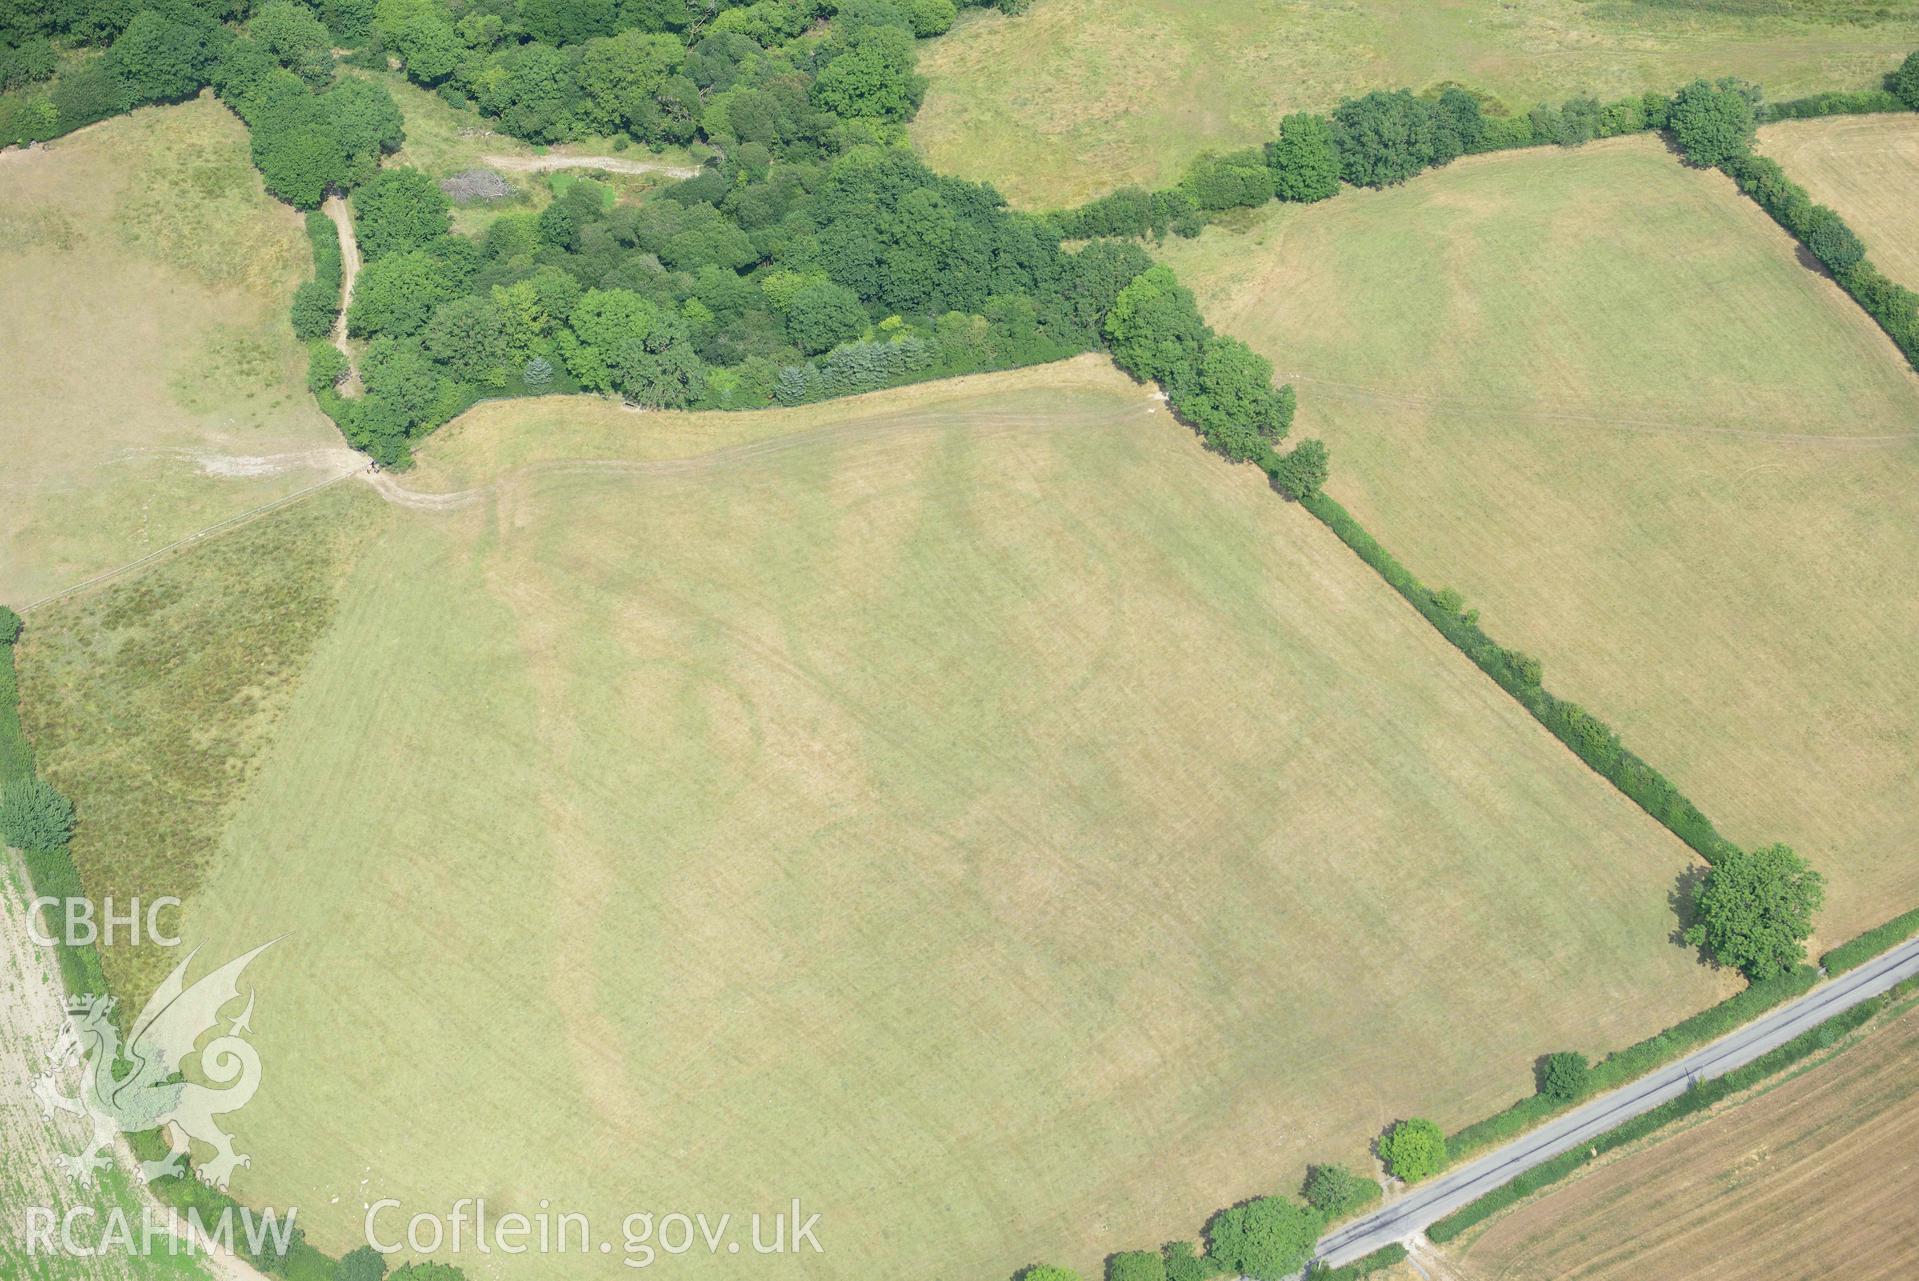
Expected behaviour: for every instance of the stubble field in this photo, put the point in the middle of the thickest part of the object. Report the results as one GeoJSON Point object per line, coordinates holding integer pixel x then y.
{"type": "Point", "coordinates": [1813, 1177]}
{"type": "Point", "coordinates": [1599, 394]}
{"type": "Point", "coordinates": [973, 810]}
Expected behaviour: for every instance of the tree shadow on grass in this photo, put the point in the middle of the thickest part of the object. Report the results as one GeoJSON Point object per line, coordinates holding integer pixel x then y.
{"type": "Point", "coordinates": [1681, 899]}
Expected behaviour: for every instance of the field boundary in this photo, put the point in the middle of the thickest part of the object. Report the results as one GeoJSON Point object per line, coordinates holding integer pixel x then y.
{"type": "Point", "coordinates": [1701, 1096]}
{"type": "Point", "coordinates": [1584, 734]}
{"type": "Point", "coordinates": [220, 526]}
{"type": "Point", "coordinates": [1823, 233]}
{"type": "Point", "coordinates": [1881, 938]}
{"type": "Point", "coordinates": [50, 871]}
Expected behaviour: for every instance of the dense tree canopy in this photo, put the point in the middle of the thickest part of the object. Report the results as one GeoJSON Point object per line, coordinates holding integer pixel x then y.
{"type": "Point", "coordinates": [1304, 159]}
{"type": "Point", "coordinates": [1414, 1149]}
{"type": "Point", "coordinates": [396, 294]}
{"type": "Point", "coordinates": [296, 38]}
{"type": "Point", "coordinates": [1155, 329]}
{"type": "Point", "coordinates": [400, 209]}
{"type": "Point", "coordinates": [1714, 123]}
{"type": "Point", "coordinates": [1234, 402]}
{"type": "Point", "coordinates": [1136, 1265]}
{"type": "Point", "coordinates": [1386, 138]}
{"type": "Point", "coordinates": [164, 59]}
{"type": "Point", "coordinates": [1564, 1076]}
{"type": "Point", "coordinates": [1267, 1239]}
{"type": "Point", "coordinates": [1303, 471]}
{"type": "Point", "coordinates": [1905, 81]}
{"type": "Point", "coordinates": [870, 75]}
{"type": "Point", "coordinates": [1336, 1192]}
{"type": "Point", "coordinates": [1753, 912]}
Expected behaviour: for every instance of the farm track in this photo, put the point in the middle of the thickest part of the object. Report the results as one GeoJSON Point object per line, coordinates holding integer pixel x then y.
{"type": "Point", "coordinates": [389, 487]}
{"type": "Point", "coordinates": [336, 209]}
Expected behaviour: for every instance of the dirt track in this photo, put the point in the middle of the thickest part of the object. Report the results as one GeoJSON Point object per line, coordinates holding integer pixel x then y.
{"type": "Point", "coordinates": [336, 209]}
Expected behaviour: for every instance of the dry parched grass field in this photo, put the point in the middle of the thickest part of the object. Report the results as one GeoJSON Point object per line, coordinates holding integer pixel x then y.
{"type": "Point", "coordinates": [971, 809]}
{"type": "Point", "coordinates": [1076, 97]}
{"type": "Point", "coordinates": [1866, 167]}
{"type": "Point", "coordinates": [1815, 1177]}
{"type": "Point", "coordinates": [153, 384]}
{"type": "Point", "coordinates": [1599, 394]}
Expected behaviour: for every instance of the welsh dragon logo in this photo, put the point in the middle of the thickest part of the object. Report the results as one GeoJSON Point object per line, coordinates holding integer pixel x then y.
{"type": "Point", "coordinates": [124, 1089]}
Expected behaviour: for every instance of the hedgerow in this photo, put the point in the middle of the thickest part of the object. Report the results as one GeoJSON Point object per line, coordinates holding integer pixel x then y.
{"type": "Point", "coordinates": [50, 866]}
{"type": "Point", "coordinates": [1621, 1066]}
{"type": "Point", "coordinates": [1520, 675]}
{"type": "Point", "coordinates": [1879, 939]}
{"type": "Point", "coordinates": [1826, 236]}
{"type": "Point", "coordinates": [1378, 1261]}
{"type": "Point", "coordinates": [1863, 102]}
{"type": "Point", "coordinates": [1697, 1099]}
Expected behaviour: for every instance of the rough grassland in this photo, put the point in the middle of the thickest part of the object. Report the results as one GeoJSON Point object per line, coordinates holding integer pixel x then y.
{"type": "Point", "coordinates": [1814, 1177]}
{"type": "Point", "coordinates": [973, 810]}
{"type": "Point", "coordinates": [1866, 167]}
{"type": "Point", "coordinates": [153, 697]}
{"type": "Point", "coordinates": [1598, 393]}
{"type": "Point", "coordinates": [1076, 97]}
{"type": "Point", "coordinates": [153, 385]}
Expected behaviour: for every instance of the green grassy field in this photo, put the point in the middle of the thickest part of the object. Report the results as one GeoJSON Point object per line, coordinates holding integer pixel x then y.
{"type": "Point", "coordinates": [1598, 393]}
{"type": "Point", "coordinates": [1076, 97]}
{"type": "Point", "coordinates": [1866, 167]}
{"type": "Point", "coordinates": [153, 382]}
{"type": "Point", "coordinates": [972, 809]}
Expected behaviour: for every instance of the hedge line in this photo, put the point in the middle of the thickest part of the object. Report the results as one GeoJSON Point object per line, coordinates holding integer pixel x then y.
{"type": "Point", "coordinates": [16, 758]}
{"type": "Point", "coordinates": [1378, 1261]}
{"type": "Point", "coordinates": [1866, 102]}
{"type": "Point", "coordinates": [1636, 1060]}
{"type": "Point", "coordinates": [1870, 944]}
{"type": "Point", "coordinates": [1386, 137]}
{"type": "Point", "coordinates": [1697, 1099]}
{"type": "Point", "coordinates": [50, 871]}
{"type": "Point", "coordinates": [1590, 738]}
{"type": "Point", "coordinates": [316, 303]}
{"type": "Point", "coordinates": [1827, 237]}
{"type": "Point", "coordinates": [186, 1192]}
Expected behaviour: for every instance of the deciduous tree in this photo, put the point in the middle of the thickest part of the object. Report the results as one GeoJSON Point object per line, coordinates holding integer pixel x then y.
{"type": "Point", "coordinates": [1753, 911]}
{"type": "Point", "coordinates": [1267, 1239]}
{"type": "Point", "coordinates": [1564, 1076]}
{"type": "Point", "coordinates": [1414, 1149]}
{"type": "Point", "coordinates": [400, 209]}
{"type": "Point", "coordinates": [1713, 123]}
{"type": "Point", "coordinates": [1304, 159]}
